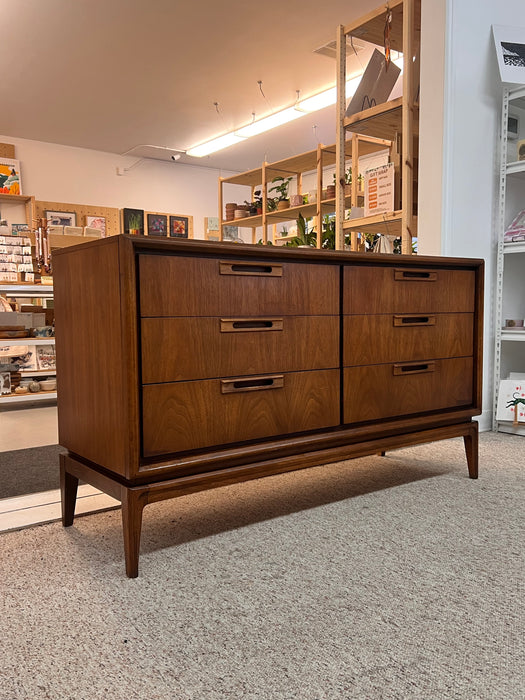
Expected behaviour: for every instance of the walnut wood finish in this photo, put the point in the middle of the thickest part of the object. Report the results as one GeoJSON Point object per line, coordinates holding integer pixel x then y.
{"type": "Point", "coordinates": [406, 337]}
{"type": "Point", "coordinates": [396, 289]}
{"type": "Point", "coordinates": [252, 288]}
{"type": "Point", "coordinates": [374, 392]}
{"type": "Point", "coordinates": [188, 415]}
{"type": "Point", "coordinates": [201, 349]}
{"type": "Point", "coordinates": [185, 365]}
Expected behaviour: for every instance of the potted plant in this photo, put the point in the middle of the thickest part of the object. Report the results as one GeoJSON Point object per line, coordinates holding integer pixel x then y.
{"type": "Point", "coordinates": [282, 191]}
{"type": "Point", "coordinates": [255, 207]}
{"type": "Point", "coordinates": [304, 238]}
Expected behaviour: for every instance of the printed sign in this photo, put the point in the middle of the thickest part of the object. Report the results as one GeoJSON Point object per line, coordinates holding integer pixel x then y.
{"type": "Point", "coordinates": [379, 190]}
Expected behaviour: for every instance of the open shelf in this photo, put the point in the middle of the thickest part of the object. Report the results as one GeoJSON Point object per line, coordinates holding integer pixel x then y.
{"type": "Point", "coordinates": [516, 168]}
{"type": "Point", "coordinates": [26, 398]}
{"type": "Point", "coordinates": [386, 224]}
{"type": "Point", "coordinates": [518, 247]}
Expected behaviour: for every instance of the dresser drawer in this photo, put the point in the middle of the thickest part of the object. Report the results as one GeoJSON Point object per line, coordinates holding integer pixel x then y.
{"type": "Point", "coordinates": [185, 286]}
{"type": "Point", "coordinates": [202, 348]}
{"type": "Point", "coordinates": [191, 415]}
{"type": "Point", "coordinates": [382, 338]}
{"type": "Point", "coordinates": [374, 392]}
{"type": "Point", "coordinates": [379, 290]}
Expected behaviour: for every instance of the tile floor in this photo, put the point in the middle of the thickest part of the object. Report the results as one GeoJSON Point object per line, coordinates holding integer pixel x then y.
{"type": "Point", "coordinates": [21, 428]}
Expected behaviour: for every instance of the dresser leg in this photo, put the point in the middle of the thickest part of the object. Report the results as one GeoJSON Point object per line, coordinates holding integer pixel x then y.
{"type": "Point", "coordinates": [68, 492]}
{"type": "Point", "coordinates": [132, 507]}
{"type": "Point", "coordinates": [471, 449]}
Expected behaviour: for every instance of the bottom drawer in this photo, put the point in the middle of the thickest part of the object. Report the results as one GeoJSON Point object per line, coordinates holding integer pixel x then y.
{"type": "Point", "coordinates": [191, 415]}
{"type": "Point", "coordinates": [373, 392]}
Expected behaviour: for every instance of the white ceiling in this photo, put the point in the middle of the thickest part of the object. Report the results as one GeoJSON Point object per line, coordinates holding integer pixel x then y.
{"type": "Point", "coordinates": [111, 75]}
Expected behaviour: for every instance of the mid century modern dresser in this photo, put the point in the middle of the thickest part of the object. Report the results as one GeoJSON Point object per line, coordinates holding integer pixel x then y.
{"type": "Point", "coordinates": [187, 365]}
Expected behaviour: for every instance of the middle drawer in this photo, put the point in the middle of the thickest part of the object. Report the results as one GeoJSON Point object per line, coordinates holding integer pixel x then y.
{"type": "Point", "coordinates": [204, 348]}
{"type": "Point", "coordinates": [375, 339]}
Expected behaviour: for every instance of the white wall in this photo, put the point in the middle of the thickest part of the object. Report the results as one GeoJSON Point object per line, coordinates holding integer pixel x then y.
{"type": "Point", "coordinates": [471, 117]}
{"type": "Point", "coordinates": [52, 172]}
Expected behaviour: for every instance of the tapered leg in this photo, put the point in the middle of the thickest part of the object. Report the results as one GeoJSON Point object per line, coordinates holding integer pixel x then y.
{"type": "Point", "coordinates": [132, 507]}
{"type": "Point", "coordinates": [471, 449]}
{"type": "Point", "coordinates": [68, 491]}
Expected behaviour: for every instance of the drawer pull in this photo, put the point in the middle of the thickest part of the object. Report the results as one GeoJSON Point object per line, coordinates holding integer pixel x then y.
{"type": "Point", "coordinates": [231, 386]}
{"type": "Point", "coordinates": [248, 268]}
{"type": "Point", "coordinates": [240, 325]}
{"type": "Point", "coordinates": [409, 320]}
{"type": "Point", "coordinates": [414, 368]}
{"type": "Point", "coordinates": [415, 276]}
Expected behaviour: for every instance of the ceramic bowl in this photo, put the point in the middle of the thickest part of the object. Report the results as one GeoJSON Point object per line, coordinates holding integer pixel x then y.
{"type": "Point", "coordinates": [42, 332]}
{"type": "Point", "coordinates": [48, 384]}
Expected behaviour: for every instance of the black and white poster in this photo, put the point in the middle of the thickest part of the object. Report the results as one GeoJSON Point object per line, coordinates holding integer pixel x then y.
{"type": "Point", "coordinates": [510, 50]}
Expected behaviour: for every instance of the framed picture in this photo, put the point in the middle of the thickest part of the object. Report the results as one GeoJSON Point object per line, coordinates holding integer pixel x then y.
{"type": "Point", "coordinates": [510, 50]}
{"type": "Point", "coordinates": [231, 233]}
{"type": "Point", "coordinates": [211, 223]}
{"type": "Point", "coordinates": [10, 182]}
{"type": "Point", "coordinates": [516, 230]}
{"type": "Point", "coordinates": [156, 224]}
{"type": "Point", "coordinates": [181, 226]}
{"type": "Point", "coordinates": [97, 222]}
{"type": "Point", "coordinates": [61, 218]}
{"type": "Point", "coordinates": [133, 222]}
{"type": "Point", "coordinates": [5, 383]}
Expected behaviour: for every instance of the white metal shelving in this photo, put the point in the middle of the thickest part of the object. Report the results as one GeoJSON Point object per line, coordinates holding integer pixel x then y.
{"type": "Point", "coordinates": [509, 354]}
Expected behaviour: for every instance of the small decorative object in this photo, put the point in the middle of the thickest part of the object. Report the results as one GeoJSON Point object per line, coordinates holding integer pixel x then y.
{"type": "Point", "coordinates": [5, 383]}
{"type": "Point", "coordinates": [43, 332]}
{"type": "Point", "coordinates": [516, 230]}
{"type": "Point", "coordinates": [97, 222]}
{"type": "Point", "coordinates": [92, 232]}
{"type": "Point", "coordinates": [514, 323]}
{"type": "Point", "coordinates": [181, 226]}
{"type": "Point", "coordinates": [10, 176]}
{"type": "Point", "coordinates": [157, 224]}
{"type": "Point", "coordinates": [521, 149]}
{"type": "Point", "coordinates": [34, 387]}
{"type": "Point", "coordinates": [330, 192]}
{"type": "Point", "coordinates": [21, 390]}
{"type": "Point", "coordinates": [48, 384]}
{"type": "Point", "coordinates": [133, 221]}
{"type": "Point", "coordinates": [296, 200]}
{"type": "Point", "coordinates": [61, 218]}
{"type": "Point", "coordinates": [510, 50]}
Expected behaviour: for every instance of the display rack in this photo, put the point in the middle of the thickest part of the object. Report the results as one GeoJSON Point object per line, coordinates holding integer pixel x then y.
{"type": "Point", "coordinates": [509, 355]}
{"type": "Point", "coordinates": [396, 120]}
{"type": "Point", "coordinates": [28, 291]}
{"type": "Point", "coordinates": [313, 163]}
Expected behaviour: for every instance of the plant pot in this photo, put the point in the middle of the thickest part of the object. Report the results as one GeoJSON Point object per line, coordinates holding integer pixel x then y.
{"type": "Point", "coordinates": [283, 204]}
{"type": "Point", "coordinates": [259, 210]}
{"type": "Point", "coordinates": [330, 192]}
{"type": "Point", "coordinates": [296, 200]}
{"type": "Point", "coordinates": [134, 231]}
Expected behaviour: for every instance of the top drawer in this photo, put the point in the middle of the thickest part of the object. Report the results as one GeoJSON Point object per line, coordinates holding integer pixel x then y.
{"type": "Point", "coordinates": [376, 290]}
{"type": "Point", "coordinates": [185, 286]}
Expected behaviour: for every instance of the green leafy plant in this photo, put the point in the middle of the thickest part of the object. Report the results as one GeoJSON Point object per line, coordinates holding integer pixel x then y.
{"type": "Point", "coordinates": [134, 221]}
{"type": "Point", "coordinates": [304, 236]}
{"type": "Point", "coordinates": [281, 188]}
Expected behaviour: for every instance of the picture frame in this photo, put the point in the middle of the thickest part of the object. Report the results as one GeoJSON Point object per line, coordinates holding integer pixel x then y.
{"type": "Point", "coordinates": [181, 226]}
{"type": "Point", "coordinates": [61, 218]}
{"type": "Point", "coordinates": [98, 222]}
{"type": "Point", "coordinates": [132, 221]}
{"type": "Point", "coordinates": [156, 224]}
{"type": "Point", "coordinates": [10, 180]}
{"type": "Point", "coordinates": [509, 43]}
{"type": "Point", "coordinates": [516, 230]}
{"type": "Point", "coordinates": [211, 224]}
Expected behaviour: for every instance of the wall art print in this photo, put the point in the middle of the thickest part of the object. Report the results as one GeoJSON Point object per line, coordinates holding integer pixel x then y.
{"type": "Point", "coordinates": [10, 182]}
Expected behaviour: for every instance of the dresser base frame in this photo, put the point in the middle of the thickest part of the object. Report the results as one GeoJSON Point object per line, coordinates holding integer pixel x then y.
{"type": "Point", "coordinates": [134, 497]}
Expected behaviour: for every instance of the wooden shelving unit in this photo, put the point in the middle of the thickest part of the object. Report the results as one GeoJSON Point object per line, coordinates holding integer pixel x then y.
{"type": "Point", "coordinates": [311, 162]}
{"type": "Point", "coordinates": [396, 120]}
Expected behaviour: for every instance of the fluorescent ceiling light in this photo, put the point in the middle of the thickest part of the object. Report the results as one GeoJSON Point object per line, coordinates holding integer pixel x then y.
{"type": "Point", "coordinates": [302, 107]}
{"type": "Point", "coordinates": [214, 145]}
{"type": "Point", "coordinates": [277, 119]}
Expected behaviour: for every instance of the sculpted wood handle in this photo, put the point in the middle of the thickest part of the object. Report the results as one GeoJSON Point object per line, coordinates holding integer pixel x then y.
{"type": "Point", "coordinates": [232, 386]}
{"type": "Point", "coordinates": [255, 269]}
{"type": "Point", "coordinates": [413, 368]}
{"type": "Point", "coordinates": [413, 320]}
{"type": "Point", "coordinates": [415, 276]}
{"type": "Point", "coordinates": [241, 325]}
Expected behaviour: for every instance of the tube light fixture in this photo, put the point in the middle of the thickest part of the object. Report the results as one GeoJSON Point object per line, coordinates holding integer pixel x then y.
{"type": "Point", "coordinates": [217, 144]}
{"type": "Point", "coordinates": [310, 104]}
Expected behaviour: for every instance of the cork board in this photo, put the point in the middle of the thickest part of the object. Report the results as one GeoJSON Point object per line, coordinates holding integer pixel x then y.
{"type": "Point", "coordinates": [82, 210]}
{"type": "Point", "coordinates": [7, 150]}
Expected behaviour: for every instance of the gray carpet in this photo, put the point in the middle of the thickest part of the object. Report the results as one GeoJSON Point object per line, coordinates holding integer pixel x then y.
{"type": "Point", "coordinates": [382, 578]}
{"type": "Point", "coordinates": [27, 471]}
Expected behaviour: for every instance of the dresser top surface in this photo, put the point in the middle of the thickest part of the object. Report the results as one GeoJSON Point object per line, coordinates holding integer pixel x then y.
{"type": "Point", "coordinates": [212, 248]}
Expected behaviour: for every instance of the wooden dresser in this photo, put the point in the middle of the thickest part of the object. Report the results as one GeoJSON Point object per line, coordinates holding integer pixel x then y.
{"type": "Point", "coordinates": [187, 365]}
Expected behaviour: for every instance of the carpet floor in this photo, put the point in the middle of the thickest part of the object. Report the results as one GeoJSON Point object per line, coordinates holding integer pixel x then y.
{"type": "Point", "coordinates": [395, 578]}
{"type": "Point", "coordinates": [31, 470]}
